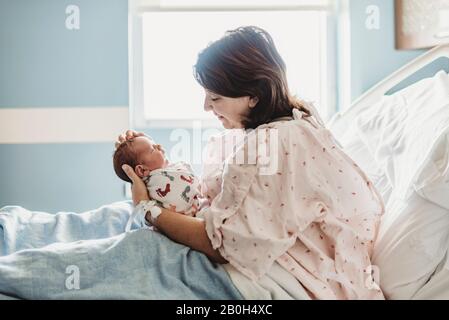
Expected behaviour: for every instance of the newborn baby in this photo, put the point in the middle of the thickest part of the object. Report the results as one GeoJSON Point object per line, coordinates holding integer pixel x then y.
{"type": "Point", "coordinates": [172, 185]}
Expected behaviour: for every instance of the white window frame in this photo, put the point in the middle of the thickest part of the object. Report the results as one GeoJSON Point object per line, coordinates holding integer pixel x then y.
{"type": "Point", "coordinates": [343, 49]}
{"type": "Point", "coordinates": [135, 46]}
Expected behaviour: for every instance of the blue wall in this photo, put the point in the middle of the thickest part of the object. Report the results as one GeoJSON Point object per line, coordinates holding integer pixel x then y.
{"type": "Point", "coordinates": [373, 53]}
{"type": "Point", "coordinates": [58, 177]}
{"type": "Point", "coordinates": [42, 64]}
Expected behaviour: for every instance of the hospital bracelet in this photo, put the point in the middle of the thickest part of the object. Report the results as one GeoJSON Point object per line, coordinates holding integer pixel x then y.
{"type": "Point", "coordinates": [150, 206]}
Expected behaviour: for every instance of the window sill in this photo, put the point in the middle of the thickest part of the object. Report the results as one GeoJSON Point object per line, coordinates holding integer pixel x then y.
{"type": "Point", "coordinates": [184, 123]}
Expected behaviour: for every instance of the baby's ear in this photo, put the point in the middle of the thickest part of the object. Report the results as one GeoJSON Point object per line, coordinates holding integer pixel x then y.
{"type": "Point", "coordinates": [140, 170]}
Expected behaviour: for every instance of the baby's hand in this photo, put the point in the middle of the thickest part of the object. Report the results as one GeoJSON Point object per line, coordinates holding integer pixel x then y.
{"type": "Point", "coordinates": [138, 187]}
{"type": "Point", "coordinates": [129, 134]}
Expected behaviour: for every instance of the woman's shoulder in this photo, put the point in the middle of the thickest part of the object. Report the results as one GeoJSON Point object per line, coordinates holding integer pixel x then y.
{"type": "Point", "coordinates": [296, 129]}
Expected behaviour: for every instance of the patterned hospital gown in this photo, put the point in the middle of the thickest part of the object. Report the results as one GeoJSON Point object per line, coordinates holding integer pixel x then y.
{"type": "Point", "coordinates": [317, 215]}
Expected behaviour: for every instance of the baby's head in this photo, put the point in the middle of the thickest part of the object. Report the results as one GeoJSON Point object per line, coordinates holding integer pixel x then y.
{"type": "Point", "coordinates": [142, 154]}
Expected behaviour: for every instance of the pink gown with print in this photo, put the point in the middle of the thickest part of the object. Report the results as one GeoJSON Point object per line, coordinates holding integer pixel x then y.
{"type": "Point", "coordinates": [317, 214]}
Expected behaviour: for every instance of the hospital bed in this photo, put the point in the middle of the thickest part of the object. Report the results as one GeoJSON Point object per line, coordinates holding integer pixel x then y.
{"type": "Point", "coordinates": [398, 133]}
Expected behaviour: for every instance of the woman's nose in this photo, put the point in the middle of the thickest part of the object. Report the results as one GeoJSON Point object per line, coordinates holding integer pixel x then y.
{"type": "Point", "coordinates": [207, 105]}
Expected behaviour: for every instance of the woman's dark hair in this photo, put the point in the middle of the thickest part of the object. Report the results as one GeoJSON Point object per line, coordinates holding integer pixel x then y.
{"type": "Point", "coordinates": [245, 62]}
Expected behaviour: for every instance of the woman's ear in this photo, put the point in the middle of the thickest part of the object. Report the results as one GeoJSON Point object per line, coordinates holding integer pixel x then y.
{"type": "Point", "coordinates": [141, 170]}
{"type": "Point", "coordinates": [253, 102]}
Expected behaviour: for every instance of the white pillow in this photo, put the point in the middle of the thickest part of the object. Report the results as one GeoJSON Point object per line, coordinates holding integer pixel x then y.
{"type": "Point", "coordinates": [412, 241]}
{"type": "Point", "coordinates": [432, 182]}
{"type": "Point", "coordinates": [437, 288]}
{"type": "Point", "coordinates": [401, 131]}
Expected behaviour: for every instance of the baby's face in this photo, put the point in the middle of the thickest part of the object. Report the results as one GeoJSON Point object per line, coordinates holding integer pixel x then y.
{"type": "Point", "coordinates": [150, 155]}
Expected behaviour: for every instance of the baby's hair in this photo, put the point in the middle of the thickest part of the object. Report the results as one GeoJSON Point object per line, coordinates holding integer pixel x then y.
{"type": "Point", "coordinates": [124, 154]}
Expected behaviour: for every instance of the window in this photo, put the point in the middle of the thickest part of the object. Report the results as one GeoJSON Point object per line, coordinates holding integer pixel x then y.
{"type": "Point", "coordinates": [165, 39]}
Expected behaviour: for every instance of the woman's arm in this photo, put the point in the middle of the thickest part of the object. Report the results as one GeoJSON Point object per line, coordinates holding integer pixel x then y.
{"type": "Point", "coordinates": [188, 231]}
{"type": "Point", "coordinates": [178, 227]}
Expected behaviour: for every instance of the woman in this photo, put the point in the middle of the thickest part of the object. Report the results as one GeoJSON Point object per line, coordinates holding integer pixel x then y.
{"type": "Point", "coordinates": [316, 216]}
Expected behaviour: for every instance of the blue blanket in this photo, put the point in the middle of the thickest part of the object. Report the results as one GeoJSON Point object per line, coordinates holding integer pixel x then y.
{"type": "Point", "coordinates": [88, 256]}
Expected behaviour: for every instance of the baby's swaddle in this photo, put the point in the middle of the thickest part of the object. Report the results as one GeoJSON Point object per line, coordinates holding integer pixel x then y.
{"type": "Point", "coordinates": [174, 187]}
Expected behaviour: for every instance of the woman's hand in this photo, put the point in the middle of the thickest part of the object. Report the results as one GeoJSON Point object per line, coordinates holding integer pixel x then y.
{"type": "Point", "coordinates": [129, 134]}
{"type": "Point", "coordinates": [138, 187]}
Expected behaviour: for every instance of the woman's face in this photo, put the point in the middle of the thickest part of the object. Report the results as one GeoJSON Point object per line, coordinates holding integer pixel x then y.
{"type": "Point", "coordinates": [230, 111]}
